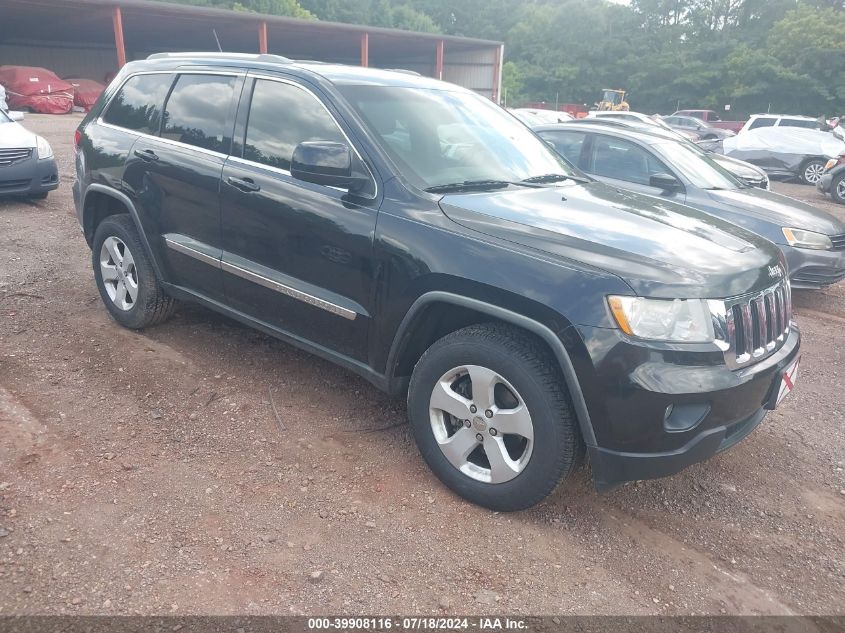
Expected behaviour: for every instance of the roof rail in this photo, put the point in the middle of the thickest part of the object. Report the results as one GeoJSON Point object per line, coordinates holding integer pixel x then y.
{"type": "Point", "coordinates": [404, 71]}
{"type": "Point", "coordinates": [252, 57]}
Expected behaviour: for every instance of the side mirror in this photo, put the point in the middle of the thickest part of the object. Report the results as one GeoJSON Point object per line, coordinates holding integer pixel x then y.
{"type": "Point", "coordinates": [666, 182]}
{"type": "Point", "coordinates": [16, 115]}
{"type": "Point", "coordinates": [326, 163]}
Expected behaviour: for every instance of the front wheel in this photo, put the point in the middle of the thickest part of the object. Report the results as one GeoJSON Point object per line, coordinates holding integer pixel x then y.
{"type": "Point", "coordinates": [812, 171]}
{"type": "Point", "coordinates": [837, 188]}
{"type": "Point", "coordinates": [492, 417]}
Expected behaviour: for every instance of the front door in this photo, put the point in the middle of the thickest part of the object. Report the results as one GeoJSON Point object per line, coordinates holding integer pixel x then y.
{"type": "Point", "coordinates": [296, 255]}
{"type": "Point", "coordinates": [627, 165]}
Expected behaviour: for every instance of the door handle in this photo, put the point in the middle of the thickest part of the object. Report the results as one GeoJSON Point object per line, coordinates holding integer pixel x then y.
{"type": "Point", "coordinates": [244, 184]}
{"type": "Point", "coordinates": [146, 154]}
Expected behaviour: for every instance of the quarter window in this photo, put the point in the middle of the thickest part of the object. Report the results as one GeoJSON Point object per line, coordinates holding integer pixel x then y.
{"type": "Point", "coordinates": [197, 111]}
{"type": "Point", "coordinates": [138, 104]}
{"type": "Point", "coordinates": [281, 116]}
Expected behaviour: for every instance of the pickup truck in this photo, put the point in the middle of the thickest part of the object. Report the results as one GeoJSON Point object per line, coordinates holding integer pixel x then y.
{"type": "Point", "coordinates": [712, 117]}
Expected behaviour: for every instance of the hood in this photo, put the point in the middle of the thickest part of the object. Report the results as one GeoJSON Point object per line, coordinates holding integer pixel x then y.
{"type": "Point", "coordinates": [779, 209]}
{"type": "Point", "coordinates": [739, 168]}
{"type": "Point", "coordinates": [15, 135]}
{"type": "Point", "coordinates": [660, 248]}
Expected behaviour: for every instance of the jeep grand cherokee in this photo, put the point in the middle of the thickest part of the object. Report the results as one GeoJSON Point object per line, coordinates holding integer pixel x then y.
{"type": "Point", "coordinates": [420, 236]}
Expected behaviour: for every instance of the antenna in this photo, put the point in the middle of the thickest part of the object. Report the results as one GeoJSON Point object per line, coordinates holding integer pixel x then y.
{"type": "Point", "coordinates": [217, 39]}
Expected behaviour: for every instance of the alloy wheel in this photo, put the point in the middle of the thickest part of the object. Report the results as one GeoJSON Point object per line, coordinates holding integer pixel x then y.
{"type": "Point", "coordinates": [481, 424]}
{"type": "Point", "coordinates": [120, 276]}
{"type": "Point", "coordinates": [840, 189]}
{"type": "Point", "coordinates": [813, 172]}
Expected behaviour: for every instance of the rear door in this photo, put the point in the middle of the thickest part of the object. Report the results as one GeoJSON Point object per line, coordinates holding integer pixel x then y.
{"type": "Point", "coordinates": [296, 255]}
{"type": "Point", "coordinates": [568, 143]}
{"type": "Point", "coordinates": [175, 176]}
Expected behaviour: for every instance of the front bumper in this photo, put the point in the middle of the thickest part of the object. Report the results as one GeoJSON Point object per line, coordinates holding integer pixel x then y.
{"type": "Point", "coordinates": [29, 177]}
{"type": "Point", "coordinates": [655, 411]}
{"type": "Point", "coordinates": [823, 183]}
{"type": "Point", "coordinates": [813, 269]}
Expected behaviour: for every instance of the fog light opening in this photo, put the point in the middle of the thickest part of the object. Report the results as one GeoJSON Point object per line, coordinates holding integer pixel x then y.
{"type": "Point", "coordinates": [684, 417]}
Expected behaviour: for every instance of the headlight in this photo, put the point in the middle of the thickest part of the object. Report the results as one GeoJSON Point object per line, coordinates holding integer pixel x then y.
{"type": "Point", "coordinates": [807, 239]}
{"type": "Point", "coordinates": [671, 320]}
{"type": "Point", "coordinates": [831, 163]}
{"type": "Point", "coordinates": [44, 149]}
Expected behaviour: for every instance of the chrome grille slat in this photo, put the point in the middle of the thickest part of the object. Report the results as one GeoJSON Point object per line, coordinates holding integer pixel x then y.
{"type": "Point", "coordinates": [10, 156]}
{"type": "Point", "coordinates": [747, 331]}
{"type": "Point", "coordinates": [752, 327]}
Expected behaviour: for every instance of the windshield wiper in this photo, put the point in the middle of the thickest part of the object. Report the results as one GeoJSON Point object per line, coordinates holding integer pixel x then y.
{"type": "Point", "coordinates": [554, 178]}
{"type": "Point", "coordinates": [470, 185]}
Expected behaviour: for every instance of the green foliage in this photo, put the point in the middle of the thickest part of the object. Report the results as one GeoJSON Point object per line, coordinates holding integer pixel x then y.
{"type": "Point", "coordinates": [784, 55]}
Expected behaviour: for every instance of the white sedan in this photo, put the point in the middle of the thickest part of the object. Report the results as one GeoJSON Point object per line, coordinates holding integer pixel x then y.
{"type": "Point", "coordinates": [27, 166]}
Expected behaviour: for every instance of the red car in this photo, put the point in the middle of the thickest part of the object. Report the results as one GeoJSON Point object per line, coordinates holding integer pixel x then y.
{"type": "Point", "coordinates": [711, 117]}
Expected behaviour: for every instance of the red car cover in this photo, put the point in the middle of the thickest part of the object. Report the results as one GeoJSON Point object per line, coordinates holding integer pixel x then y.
{"type": "Point", "coordinates": [37, 89]}
{"type": "Point", "coordinates": [85, 92]}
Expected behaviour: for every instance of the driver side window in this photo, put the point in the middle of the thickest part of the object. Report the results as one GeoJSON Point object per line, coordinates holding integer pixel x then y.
{"type": "Point", "coordinates": [281, 116]}
{"type": "Point", "coordinates": [623, 160]}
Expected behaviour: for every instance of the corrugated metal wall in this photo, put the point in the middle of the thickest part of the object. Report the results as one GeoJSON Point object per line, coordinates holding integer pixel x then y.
{"type": "Point", "coordinates": [91, 63]}
{"type": "Point", "coordinates": [475, 70]}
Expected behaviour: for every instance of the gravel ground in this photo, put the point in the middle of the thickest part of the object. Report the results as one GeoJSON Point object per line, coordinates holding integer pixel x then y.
{"type": "Point", "coordinates": [145, 473]}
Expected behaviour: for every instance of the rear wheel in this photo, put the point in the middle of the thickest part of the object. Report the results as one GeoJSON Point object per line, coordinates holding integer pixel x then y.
{"type": "Point", "coordinates": [837, 188]}
{"type": "Point", "coordinates": [125, 277]}
{"type": "Point", "coordinates": [492, 417]}
{"type": "Point", "coordinates": [811, 171]}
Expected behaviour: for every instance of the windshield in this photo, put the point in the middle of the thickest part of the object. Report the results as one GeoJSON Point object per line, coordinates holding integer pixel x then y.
{"type": "Point", "coordinates": [438, 137]}
{"type": "Point", "coordinates": [697, 167]}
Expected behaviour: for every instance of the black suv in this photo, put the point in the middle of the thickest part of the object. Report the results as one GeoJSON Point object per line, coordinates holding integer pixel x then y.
{"type": "Point", "coordinates": [419, 235]}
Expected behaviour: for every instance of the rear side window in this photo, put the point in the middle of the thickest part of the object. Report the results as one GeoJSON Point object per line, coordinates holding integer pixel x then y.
{"type": "Point", "coordinates": [138, 104]}
{"type": "Point", "coordinates": [762, 122]}
{"type": "Point", "coordinates": [197, 111]}
{"type": "Point", "coordinates": [281, 116]}
{"type": "Point", "coordinates": [567, 144]}
{"type": "Point", "coordinates": [797, 123]}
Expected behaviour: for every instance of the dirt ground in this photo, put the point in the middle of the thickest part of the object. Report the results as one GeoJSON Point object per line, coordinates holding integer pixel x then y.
{"type": "Point", "coordinates": [145, 473]}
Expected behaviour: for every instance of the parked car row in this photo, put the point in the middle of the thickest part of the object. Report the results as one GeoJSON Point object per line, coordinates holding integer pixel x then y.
{"type": "Point", "coordinates": [812, 241]}
{"type": "Point", "coordinates": [419, 235]}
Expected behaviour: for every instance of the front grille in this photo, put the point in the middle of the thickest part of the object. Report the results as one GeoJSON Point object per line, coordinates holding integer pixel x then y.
{"type": "Point", "coordinates": [754, 326]}
{"type": "Point", "coordinates": [819, 276]}
{"type": "Point", "coordinates": [10, 156]}
{"type": "Point", "coordinates": [12, 185]}
{"type": "Point", "coordinates": [755, 182]}
{"type": "Point", "coordinates": [838, 242]}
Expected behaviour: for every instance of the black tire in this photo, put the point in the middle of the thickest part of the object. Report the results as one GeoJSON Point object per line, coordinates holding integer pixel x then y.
{"type": "Point", "coordinates": [151, 305]}
{"type": "Point", "coordinates": [811, 170]}
{"type": "Point", "coordinates": [524, 362]}
{"type": "Point", "coordinates": [837, 188]}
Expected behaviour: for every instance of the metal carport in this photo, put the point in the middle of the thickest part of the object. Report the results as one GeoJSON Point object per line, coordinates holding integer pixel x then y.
{"type": "Point", "coordinates": [93, 38]}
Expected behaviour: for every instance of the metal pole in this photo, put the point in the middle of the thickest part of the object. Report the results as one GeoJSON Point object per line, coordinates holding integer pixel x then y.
{"type": "Point", "coordinates": [365, 49]}
{"type": "Point", "coordinates": [438, 62]}
{"type": "Point", "coordinates": [117, 22]}
{"type": "Point", "coordinates": [262, 38]}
